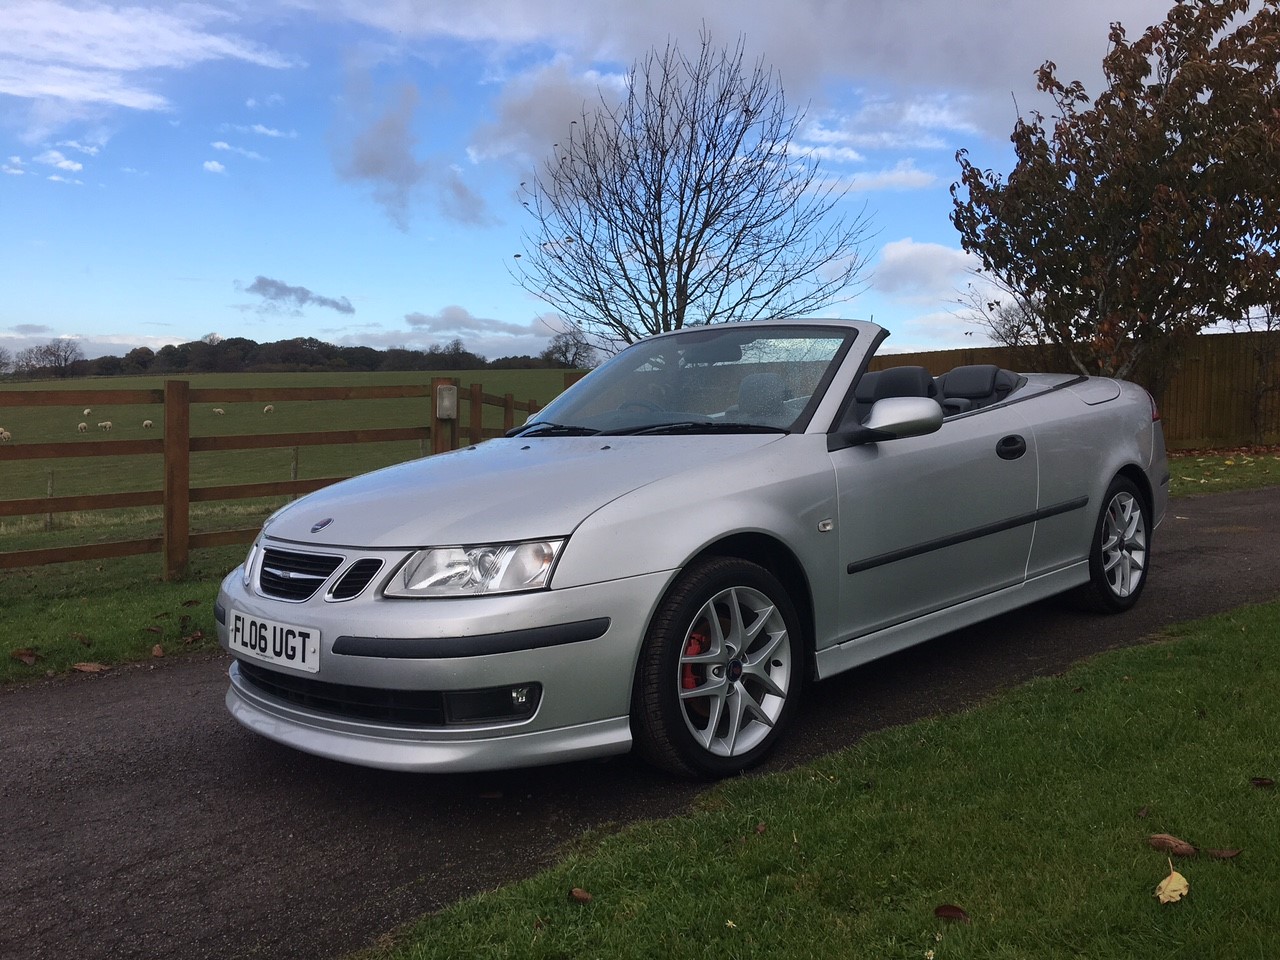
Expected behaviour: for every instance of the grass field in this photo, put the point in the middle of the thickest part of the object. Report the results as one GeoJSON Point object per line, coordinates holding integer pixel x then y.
{"type": "Point", "coordinates": [1029, 817]}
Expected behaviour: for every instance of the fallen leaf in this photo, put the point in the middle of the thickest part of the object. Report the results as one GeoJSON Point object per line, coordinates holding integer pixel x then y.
{"type": "Point", "coordinates": [192, 638]}
{"type": "Point", "coordinates": [26, 655]}
{"type": "Point", "coordinates": [1173, 887]}
{"type": "Point", "coordinates": [161, 616]}
{"type": "Point", "coordinates": [1171, 844]}
{"type": "Point", "coordinates": [1223, 854]}
{"type": "Point", "coordinates": [578, 895]}
{"type": "Point", "coordinates": [157, 651]}
{"type": "Point", "coordinates": [90, 667]}
{"type": "Point", "coordinates": [949, 911]}
{"type": "Point", "coordinates": [154, 628]}
{"type": "Point", "coordinates": [191, 603]}
{"type": "Point", "coordinates": [1142, 812]}
{"type": "Point", "coordinates": [731, 925]}
{"type": "Point", "coordinates": [1263, 782]}
{"type": "Point", "coordinates": [760, 828]}
{"type": "Point", "coordinates": [81, 639]}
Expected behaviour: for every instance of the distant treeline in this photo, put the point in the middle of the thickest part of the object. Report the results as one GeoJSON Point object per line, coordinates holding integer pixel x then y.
{"type": "Point", "coordinates": [214, 354]}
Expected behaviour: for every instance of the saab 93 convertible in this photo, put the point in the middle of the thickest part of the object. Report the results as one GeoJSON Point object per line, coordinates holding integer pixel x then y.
{"type": "Point", "coordinates": [668, 553]}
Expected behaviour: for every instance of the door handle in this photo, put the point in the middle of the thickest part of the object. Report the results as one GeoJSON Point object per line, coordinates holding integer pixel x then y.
{"type": "Point", "coordinates": [1011, 447]}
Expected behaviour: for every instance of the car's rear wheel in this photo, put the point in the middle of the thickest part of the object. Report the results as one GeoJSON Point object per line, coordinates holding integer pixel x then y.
{"type": "Point", "coordinates": [720, 672]}
{"type": "Point", "coordinates": [1119, 559]}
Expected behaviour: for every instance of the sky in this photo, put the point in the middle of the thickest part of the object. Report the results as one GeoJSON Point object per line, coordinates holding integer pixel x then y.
{"type": "Point", "coordinates": [349, 169]}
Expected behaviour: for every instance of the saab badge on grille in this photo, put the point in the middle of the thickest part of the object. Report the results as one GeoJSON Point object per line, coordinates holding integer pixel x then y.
{"type": "Point", "coordinates": [317, 527]}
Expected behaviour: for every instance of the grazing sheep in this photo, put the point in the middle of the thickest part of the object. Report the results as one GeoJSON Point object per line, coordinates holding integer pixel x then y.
{"type": "Point", "coordinates": [87, 411]}
{"type": "Point", "coordinates": [147, 424]}
{"type": "Point", "coordinates": [269, 409]}
{"type": "Point", "coordinates": [219, 411]}
{"type": "Point", "coordinates": [104, 425]}
{"type": "Point", "coordinates": [82, 427]}
{"type": "Point", "coordinates": [5, 436]}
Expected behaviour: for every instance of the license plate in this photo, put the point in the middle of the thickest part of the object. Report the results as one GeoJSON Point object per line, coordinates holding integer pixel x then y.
{"type": "Point", "coordinates": [274, 642]}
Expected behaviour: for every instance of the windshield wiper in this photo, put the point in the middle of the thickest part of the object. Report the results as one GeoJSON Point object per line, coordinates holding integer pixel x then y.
{"type": "Point", "coordinates": [544, 428]}
{"type": "Point", "coordinates": [693, 426]}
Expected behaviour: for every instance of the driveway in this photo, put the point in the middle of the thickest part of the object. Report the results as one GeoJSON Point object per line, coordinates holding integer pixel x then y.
{"type": "Point", "coordinates": [138, 820]}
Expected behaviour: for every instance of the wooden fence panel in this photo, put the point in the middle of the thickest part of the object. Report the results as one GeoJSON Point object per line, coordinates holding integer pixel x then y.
{"type": "Point", "coordinates": [177, 445]}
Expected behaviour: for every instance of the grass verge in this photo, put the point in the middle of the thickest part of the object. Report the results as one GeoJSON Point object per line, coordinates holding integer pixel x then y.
{"type": "Point", "coordinates": [1031, 814]}
{"type": "Point", "coordinates": [105, 612]}
{"type": "Point", "coordinates": [1215, 471]}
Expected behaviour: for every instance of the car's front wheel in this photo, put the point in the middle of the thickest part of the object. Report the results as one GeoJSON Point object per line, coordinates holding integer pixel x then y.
{"type": "Point", "coordinates": [1119, 559]}
{"type": "Point", "coordinates": [720, 672]}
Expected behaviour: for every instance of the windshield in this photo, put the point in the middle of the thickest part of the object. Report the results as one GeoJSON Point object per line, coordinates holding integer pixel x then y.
{"type": "Point", "coordinates": [728, 378]}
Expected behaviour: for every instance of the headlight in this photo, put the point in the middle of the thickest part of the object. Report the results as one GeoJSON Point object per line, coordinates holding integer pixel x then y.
{"type": "Point", "coordinates": [469, 571]}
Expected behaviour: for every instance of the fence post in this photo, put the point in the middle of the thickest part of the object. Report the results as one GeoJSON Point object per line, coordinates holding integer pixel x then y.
{"type": "Point", "coordinates": [477, 412]}
{"type": "Point", "coordinates": [177, 478]}
{"type": "Point", "coordinates": [444, 433]}
{"type": "Point", "coordinates": [508, 411]}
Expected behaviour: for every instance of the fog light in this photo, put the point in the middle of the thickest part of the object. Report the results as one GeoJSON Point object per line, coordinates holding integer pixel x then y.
{"type": "Point", "coordinates": [493, 704]}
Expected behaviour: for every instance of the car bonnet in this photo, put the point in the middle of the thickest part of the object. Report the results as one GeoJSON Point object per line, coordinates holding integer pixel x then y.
{"type": "Point", "coordinates": [503, 490]}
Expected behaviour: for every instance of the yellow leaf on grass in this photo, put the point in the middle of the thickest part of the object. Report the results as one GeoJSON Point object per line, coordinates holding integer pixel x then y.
{"type": "Point", "coordinates": [1173, 887]}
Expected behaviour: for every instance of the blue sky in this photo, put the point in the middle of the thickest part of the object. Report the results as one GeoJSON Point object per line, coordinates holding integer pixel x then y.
{"type": "Point", "coordinates": [348, 169]}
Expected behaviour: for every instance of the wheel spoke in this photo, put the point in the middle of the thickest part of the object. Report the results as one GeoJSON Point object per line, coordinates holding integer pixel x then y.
{"type": "Point", "coordinates": [735, 671]}
{"type": "Point", "coordinates": [1124, 545]}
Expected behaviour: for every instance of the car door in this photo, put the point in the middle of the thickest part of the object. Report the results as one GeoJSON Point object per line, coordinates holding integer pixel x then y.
{"type": "Point", "coordinates": [931, 521]}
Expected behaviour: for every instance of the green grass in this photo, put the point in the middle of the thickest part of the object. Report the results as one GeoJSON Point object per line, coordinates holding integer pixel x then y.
{"type": "Point", "coordinates": [1030, 813]}
{"type": "Point", "coordinates": [1216, 471]}
{"type": "Point", "coordinates": [106, 612]}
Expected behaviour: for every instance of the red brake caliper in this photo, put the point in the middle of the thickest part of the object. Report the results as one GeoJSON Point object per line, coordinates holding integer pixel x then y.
{"type": "Point", "coordinates": [697, 644]}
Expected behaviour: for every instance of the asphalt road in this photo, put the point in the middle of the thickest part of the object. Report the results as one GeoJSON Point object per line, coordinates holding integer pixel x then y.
{"type": "Point", "coordinates": [138, 820]}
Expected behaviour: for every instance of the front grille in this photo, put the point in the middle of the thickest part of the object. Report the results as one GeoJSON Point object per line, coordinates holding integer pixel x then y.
{"type": "Point", "coordinates": [357, 577]}
{"type": "Point", "coordinates": [287, 575]}
{"type": "Point", "coordinates": [411, 708]}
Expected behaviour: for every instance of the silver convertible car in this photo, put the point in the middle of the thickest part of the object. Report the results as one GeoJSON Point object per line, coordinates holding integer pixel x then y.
{"type": "Point", "coordinates": [666, 555]}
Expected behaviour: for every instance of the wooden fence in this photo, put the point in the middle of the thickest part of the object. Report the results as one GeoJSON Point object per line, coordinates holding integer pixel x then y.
{"type": "Point", "coordinates": [177, 444]}
{"type": "Point", "coordinates": [1215, 398]}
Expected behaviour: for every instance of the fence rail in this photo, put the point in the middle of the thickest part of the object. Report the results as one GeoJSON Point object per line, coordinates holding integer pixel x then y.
{"type": "Point", "coordinates": [177, 445]}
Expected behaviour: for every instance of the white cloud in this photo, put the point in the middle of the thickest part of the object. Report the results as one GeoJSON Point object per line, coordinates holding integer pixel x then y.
{"type": "Point", "coordinates": [86, 148]}
{"type": "Point", "coordinates": [59, 178]}
{"type": "Point", "coordinates": [95, 53]}
{"type": "Point", "coordinates": [904, 175]}
{"type": "Point", "coordinates": [922, 272]}
{"type": "Point", "coordinates": [223, 145]}
{"type": "Point", "coordinates": [54, 158]}
{"type": "Point", "coordinates": [213, 166]}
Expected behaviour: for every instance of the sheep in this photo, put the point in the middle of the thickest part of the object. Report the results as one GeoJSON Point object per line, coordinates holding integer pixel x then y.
{"type": "Point", "coordinates": [269, 408]}
{"type": "Point", "coordinates": [82, 427]}
{"type": "Point", "coordinates": [104, 425]}
{"type": "Point", "coordinates": [87, 411]}
{"type": "Point", "coordinates": [147, 424]}
{"type": "Point", "coordinates": [5, 436]}
{"type": "Point", "coordinates": [219, 411]}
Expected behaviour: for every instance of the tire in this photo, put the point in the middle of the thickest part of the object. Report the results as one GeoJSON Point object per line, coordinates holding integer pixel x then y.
{"type": "Point", "coordinates": [1120, 554]}
{"type": "Point", "coordinates": [720, 673]}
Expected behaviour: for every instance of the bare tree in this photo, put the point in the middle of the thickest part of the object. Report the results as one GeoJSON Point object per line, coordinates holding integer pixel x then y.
{"type": "Point", "coordinates": [570, 348]}
{"type": "Point", "coordinates": [687, 204]}
{"type": "Point", "coordinates": [6, 361]}
{"type": "Point", "coordinates": [1004, 316]}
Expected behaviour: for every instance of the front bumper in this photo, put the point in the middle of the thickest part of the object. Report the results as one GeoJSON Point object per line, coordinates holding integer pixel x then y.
{"type": "Point", "coordinates": [585, 684]}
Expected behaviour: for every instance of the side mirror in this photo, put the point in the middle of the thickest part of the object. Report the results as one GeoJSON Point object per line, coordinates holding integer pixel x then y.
{"type": "Point", "coordinates": [892, 418]}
